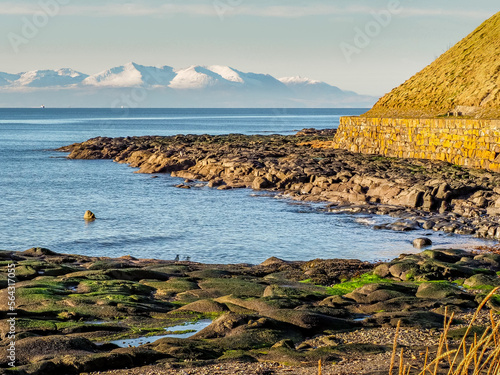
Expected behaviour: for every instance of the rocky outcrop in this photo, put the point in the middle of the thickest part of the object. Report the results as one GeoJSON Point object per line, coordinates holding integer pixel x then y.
{"type": "Point", "coordinates": [291, 312]}
{"type": "Point", "coordinates": [433, 195]}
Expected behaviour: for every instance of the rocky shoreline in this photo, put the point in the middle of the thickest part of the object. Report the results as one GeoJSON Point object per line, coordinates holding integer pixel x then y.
{"type": "Point", "coordinates": [423, 194]}
{"type": "Point", "coordinates": [270, 318]}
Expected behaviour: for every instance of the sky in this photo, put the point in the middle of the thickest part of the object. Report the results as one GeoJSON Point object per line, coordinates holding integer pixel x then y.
{"type": "Point", "coordinates": [367, 46]}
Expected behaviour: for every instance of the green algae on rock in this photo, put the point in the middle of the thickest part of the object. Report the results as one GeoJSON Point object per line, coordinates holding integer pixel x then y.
{"type": "Point", "coordinates": [269, 317]}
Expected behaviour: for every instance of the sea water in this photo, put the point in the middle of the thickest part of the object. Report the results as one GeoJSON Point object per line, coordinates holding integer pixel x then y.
{"type": "Point", "coordinates": [43, 195]}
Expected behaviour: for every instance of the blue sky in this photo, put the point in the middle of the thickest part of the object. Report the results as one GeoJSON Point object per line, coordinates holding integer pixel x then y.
{"type": "Point", "coordinates": [311, 38]}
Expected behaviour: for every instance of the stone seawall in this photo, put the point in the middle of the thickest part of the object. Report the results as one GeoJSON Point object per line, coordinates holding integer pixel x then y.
{"type": "Point", "coordinates": [465, 142]}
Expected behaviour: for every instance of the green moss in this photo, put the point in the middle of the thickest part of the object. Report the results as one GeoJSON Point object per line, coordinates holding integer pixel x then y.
{"type": "Point", "coordinates": [28, 295]}
{"type": "Point", "coordinates": [96, 287]}
{"type": "Point", "coordinates": [69, 324]}
{"type": "Point", "coordinates": [482, 270]}
{"type": "Point", "coordinates": [35, 324]}
{"type": "Point", "coordinates": [25, 272]}
{"type": "Point", "coordinates": [410, 276]}
{"type": "Point", "coordinates": [33, 263]}
{"type": "Point", "coordinates": [234, 355]}
{"type": "Point", "coordinates": [175, 285]}
{"type": "Point", "coordinates": [349, 286]}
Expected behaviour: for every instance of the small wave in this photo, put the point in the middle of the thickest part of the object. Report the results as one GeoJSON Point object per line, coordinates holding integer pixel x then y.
{"type": "Point", "coordinates": [365, 220]}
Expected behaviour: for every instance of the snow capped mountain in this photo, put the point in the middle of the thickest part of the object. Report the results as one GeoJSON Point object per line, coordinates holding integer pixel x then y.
{"type": "Point", "coordinates": [306, 84]}
{"type": "Point", "coordinates": [219, 76]}
{"type": "Point", "coordinates": [130, 75]}
{"type": "Point", "coordinates": [227, 73]}
{"type": "Point", "coordinates": [197, 77]}
{"type": "Point", "coordinates": [47, 78]}
{"type": "Point", "coordinates": [298, 80]}
{"type": "Point", "coordinates": [249, 79]}
{"type": "Point", "coordinates": [305, 89]}
{"type": "Point", "coordinates": [195, 86]}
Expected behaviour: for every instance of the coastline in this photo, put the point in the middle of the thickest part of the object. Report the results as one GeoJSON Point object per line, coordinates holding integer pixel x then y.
{"type": "Point", "coordinates": [423, 194]}
{"type": "Point", "coordinates": [277, 316]}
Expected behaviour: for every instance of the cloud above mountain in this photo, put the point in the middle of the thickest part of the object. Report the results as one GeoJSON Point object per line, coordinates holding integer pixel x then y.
{"type": "Point", "coordinates": [135, 85]}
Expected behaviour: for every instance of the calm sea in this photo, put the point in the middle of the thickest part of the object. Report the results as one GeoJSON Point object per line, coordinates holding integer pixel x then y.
{"type": "Point", "coordinates": [43, 195]}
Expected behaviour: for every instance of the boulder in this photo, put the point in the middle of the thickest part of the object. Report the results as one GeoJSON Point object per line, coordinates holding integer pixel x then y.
{"type": "Point", "coordinates": [89, 216]}
{"type": "Point", "coordinates": [260, 183]}
{"type": "Point", "coordinates": [38, 251]}
{"type": "Point", "coordinates": [401, 270]}
{"type": "Point", "coordinates": [421, 242]}
{"type": "Point", "coordinates": [482, 281]}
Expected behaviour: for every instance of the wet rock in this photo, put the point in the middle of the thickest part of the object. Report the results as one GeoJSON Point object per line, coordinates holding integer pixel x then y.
{"type": "Point", "coordinates": [38, 251]}
{"type": "Point", "coordinates": [403, 270]}
{"type": "Point", "coordinates": [482, 281]}
{"type": "Point", "coordinates": [443, 255]}
{"type": "Point", "coordinates": [491, 259]}
{"type": "Point", "coordinates": [382, 270]}
{"type": "Point", "coordinates": [260, 183]}
{"type": "Point", "coordinates": [428, 224]}
{"type": "Point", "coordinates": [421, 242]}
{"type": "Point", "coordinates": [335, 302]}
{"type": "Point", "coordinates": [215, 182]}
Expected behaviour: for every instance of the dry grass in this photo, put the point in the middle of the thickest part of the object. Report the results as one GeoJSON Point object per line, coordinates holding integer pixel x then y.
{"type": "Point", "coordinates": [481, 356]}
{"type": "Point", "coordinates": [468, 75]}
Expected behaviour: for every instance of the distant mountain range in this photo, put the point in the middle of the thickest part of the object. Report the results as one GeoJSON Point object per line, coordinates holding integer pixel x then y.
{"type": "Point", "coordinates": [134, 85]}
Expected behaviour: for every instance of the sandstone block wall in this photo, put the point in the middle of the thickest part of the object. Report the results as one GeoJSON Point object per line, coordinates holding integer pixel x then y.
{"type": "Point", "coordinates": [470, 143]}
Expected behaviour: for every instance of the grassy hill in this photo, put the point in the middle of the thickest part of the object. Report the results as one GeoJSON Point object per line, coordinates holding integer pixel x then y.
{"type": "Point", "coordinates": [464, 81]}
